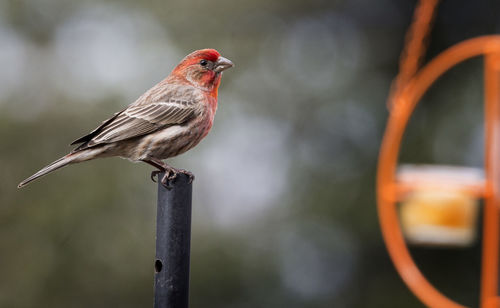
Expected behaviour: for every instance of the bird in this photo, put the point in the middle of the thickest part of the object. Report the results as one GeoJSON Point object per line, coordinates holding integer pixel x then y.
{"type": "Point", "coordinates": [167, 120]}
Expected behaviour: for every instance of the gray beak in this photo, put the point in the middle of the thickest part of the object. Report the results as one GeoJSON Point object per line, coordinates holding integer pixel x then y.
{"type": "Point", "coordinates": [222, 64]}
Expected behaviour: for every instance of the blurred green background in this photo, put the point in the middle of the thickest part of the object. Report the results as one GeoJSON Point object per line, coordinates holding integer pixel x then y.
{"type": "Point", "coordinates": [284, 205]}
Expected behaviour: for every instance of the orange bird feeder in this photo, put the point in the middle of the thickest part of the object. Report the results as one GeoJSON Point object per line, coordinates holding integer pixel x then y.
{"type": "Point", "coordinates": [391, 189]}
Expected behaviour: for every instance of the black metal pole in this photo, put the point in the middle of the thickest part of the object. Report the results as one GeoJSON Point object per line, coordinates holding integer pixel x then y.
{"type": "Point", "coordinates": [173, 239]}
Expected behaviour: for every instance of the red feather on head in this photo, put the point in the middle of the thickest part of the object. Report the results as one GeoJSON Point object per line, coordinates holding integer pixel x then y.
{"type": "Point", "coordinates": [207, 54]}
{"type": "Point", "coordinates": [196, 56]}
{"type": "Point", "coordinates": [190, 71]}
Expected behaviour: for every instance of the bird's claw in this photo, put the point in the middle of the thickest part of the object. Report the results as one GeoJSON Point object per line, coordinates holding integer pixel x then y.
{"type": "Point", "coordinates": [170, 176]}
{"type": "Point", "coordinates": [173, 173]}
{"type": "Point", "coordinates": [154, 174]}
{"type": "Point", "coordinates": [165, 180]}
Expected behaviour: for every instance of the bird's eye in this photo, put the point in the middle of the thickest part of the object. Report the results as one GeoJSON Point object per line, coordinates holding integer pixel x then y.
{"type": "Point", "coordinates": [203, 62]}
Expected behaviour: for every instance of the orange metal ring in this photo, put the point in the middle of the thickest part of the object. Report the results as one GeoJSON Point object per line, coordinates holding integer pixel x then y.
{"type": "Point", "coordinates": [405, 102]}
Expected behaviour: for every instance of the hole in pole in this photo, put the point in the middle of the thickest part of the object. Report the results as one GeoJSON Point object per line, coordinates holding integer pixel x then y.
{"type": "Point", "coordinates": [158, 266]}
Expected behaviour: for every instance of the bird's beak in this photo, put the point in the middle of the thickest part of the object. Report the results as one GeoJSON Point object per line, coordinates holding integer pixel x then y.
{"type": "Point", "coordinates": [222, 64]}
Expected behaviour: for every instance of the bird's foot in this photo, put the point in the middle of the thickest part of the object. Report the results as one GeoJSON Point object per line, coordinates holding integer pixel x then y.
{"type": "Point", "coordinates": [167, 179]}
{"type": "Point", "coordinates": [170, 175]}
{"type": "Point", "coordinates": [164, 180]}
{"type": "Point", "coordinates": [173, 172]}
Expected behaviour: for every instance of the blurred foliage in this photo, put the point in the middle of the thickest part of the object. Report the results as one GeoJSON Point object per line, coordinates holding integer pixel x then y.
{"type": "Point", "coordinates": [284, 208]}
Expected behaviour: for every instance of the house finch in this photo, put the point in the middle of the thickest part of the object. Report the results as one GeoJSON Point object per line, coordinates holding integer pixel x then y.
{"type": "Point", "coordinates": [167, 120]}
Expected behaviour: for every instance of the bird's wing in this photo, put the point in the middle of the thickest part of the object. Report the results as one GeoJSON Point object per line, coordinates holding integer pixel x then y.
{"type": "Point", "coordinates": [138, 120]}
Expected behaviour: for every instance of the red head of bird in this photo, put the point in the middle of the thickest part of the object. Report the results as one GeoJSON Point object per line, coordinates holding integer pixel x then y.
{"type": "Point", "coordinates": [202, 69]}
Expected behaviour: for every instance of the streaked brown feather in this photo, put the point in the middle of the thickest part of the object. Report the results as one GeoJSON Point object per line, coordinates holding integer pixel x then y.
{"type": "Point", "coordinates": [143, 119]}
{"type": "Point", "coordinates": [152, 111]}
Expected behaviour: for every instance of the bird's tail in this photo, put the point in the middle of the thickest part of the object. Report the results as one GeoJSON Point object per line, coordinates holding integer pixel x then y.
{"type": "Point", "coordinates": [61, 162]}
